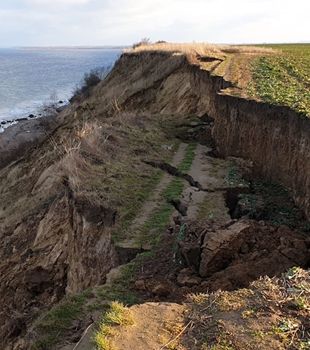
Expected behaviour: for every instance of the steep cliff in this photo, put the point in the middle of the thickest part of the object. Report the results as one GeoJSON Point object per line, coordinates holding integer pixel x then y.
{"type": "Point", "coordinates": [274, 138]}
{"type": "Point", "coordinates": [66, 203]}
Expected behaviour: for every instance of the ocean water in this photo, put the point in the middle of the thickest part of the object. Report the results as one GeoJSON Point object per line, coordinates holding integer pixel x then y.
{"type": "Point", "coordinates": [31, 77]}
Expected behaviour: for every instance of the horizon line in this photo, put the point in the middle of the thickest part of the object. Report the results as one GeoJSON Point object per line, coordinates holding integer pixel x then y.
{"type": "Point", "coordinates": [117, 46]}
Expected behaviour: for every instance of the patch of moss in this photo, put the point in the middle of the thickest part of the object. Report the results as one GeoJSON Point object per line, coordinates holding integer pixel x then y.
{"type": "Point", "coordinates": [279, 208]}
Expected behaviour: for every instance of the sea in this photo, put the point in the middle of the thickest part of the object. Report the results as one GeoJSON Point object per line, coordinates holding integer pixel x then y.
{"type": "Point", "coordinates": [32, 77]}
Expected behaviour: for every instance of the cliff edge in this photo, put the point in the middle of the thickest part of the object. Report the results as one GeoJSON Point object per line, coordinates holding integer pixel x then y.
{"type": "Point", "coordinates": [162, 183]}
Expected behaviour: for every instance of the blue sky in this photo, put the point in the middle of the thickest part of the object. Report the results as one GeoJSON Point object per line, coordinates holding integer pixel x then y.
{"type": "Point", "coordinates": [113, 22]}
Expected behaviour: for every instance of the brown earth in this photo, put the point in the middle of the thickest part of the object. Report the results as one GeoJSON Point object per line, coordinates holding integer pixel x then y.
{"type": "Point", "coordinates": [62, 202]}
{"type": "Point", "coordinates": [232, 256]}
{"type": "Point", "coordinates": [221, 258]}
{"type": "Point", "coordinates": [274, 138]}
{"type": "Point", "coordinates": [269, 314]}
{"type": "Point", "coordinates": [162, 319]}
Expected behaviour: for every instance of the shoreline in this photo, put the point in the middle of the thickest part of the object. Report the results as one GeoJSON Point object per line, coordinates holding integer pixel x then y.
{"type": "Point", "coordinates": [15, 141]}
{"type": "Point", "coordinates": [45, 110]}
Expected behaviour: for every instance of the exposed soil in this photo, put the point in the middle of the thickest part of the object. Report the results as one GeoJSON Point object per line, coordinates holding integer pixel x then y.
{"type": "Point", "coordinates": [80, 205]}
{"type": "Point", "coordinates": [270, 314]}
{"type": "Point", "coordinates": [162, 320]}
{"type": "Point", "coordinates": [198, 254]}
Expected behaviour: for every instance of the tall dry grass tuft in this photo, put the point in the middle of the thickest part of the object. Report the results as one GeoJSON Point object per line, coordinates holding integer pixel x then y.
{"type": "Point", "coordinates": [88, 156]}
{"type": "Point", "coordinates": [83, 155]}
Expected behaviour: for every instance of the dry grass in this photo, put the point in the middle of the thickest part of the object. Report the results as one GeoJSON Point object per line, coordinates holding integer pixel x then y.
{"type": "Point", "coordinates": [84, 154]}
{"type": "Point", "coordinates": [229, 61]}
{"type": "Point", "coordinates": [101, 159]}
{"type": "Point", "coordinates": [202, 49]}
{"type": "Point", "coordinates": [272, 313]}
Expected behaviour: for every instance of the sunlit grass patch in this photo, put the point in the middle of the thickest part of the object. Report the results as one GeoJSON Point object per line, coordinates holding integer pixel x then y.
{"type": "Point", "coordinates": [117, 315]}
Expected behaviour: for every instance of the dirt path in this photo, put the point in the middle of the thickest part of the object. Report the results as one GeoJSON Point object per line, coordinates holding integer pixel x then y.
{"type": "Point", "coordinates": [210, 173]}
{"type": "Point", "coordinates": [150, 205]}
{"type": "Point", "coordinates": [155, 324]}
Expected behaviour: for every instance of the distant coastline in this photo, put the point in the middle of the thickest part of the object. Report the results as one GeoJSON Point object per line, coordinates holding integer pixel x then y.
{"type": "Point", "coordinates": [71, 47]}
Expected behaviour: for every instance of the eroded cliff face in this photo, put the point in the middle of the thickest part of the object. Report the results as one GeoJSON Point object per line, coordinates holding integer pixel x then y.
{"type": "Point", "coordinates": [55, 239]}
{"type": "Point", "coordinates": [63, 249]}
{"type": "Point", "coordinates": [274, 138]}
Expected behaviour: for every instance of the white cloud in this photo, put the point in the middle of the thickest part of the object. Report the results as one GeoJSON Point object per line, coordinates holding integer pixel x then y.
{"type": "Point", "coordinates": [97, 22]}
{"type": "Point", "coordinates": [57, 2]}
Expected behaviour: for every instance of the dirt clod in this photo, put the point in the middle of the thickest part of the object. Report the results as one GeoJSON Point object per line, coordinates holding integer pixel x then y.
{"type": "Point", "coordinates": [161, 289]}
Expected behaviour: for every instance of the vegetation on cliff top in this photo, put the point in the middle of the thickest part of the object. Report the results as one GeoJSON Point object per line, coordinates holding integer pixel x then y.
{"type": "Point", "coordinates": [277, 74]}
{"type": "Point", "coordinates": [284, 78]}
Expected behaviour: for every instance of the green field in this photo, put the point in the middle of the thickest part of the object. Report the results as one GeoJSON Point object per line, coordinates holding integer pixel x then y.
{"type": "Point", "coordinates": [284, 78]}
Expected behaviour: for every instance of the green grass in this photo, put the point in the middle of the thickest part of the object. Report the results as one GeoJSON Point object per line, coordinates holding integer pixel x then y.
{"type": "Point", "coordinates": [134, 198]}
{"type": "Point", "coordinates": [155, 225]}
{"type": "Point", "coordinates": [284, 78]}
{"type": "Point", "coordinates": [188, 158]}
{"type": "Point", "coordinates": [117, 315]}
{"type": "Point", "coordinates": [120, 288]}
{"type": "Point", "coordinates": [234, 177]}
{"type": "Point", "coordinates": [58, 320]}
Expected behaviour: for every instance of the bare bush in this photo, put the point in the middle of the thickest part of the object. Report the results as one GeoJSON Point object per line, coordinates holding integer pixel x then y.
{"type": "Point", "coordinates": [142, 42]}
{"type": "Point", "coordinates": [90, 80]}
{"type": "Point", "coordinates": [85, 155]}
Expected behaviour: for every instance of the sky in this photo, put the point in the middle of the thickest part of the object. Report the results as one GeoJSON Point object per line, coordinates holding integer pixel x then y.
{"type": "Point", "coordinates": [121, 22]}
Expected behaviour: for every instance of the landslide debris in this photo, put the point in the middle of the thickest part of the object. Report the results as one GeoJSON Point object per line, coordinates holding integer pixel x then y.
{"type": "Point", "coordinates": [67, 205]}
{"type": "Point", "coordinates": [231, 256]}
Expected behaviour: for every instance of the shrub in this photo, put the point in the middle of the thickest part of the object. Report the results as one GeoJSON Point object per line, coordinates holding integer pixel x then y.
{"type": "Point", "coordinates": [90, 80]}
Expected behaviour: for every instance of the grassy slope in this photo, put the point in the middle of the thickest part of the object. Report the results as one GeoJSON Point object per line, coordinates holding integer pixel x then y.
{"type": "Point", "coordinates": [134, 190]}
{"type": "Point", "coordinates": [56, 324]}
{"type": "Point", "coordinates": [284, 78]}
